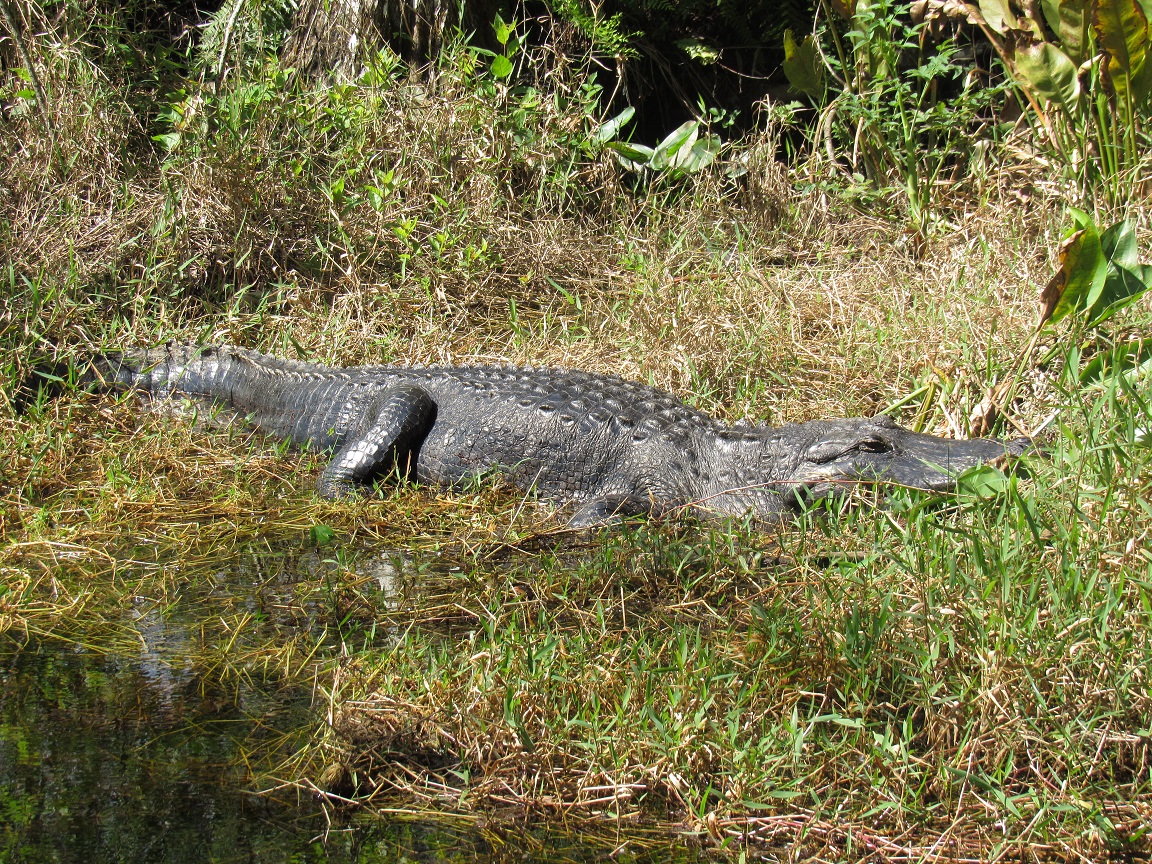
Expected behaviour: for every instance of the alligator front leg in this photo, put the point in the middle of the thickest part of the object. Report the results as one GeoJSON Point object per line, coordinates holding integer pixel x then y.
{"type": "Point", "coordinates": [389, 438]}
{"type": "Point", "coordinates": [607, 510]}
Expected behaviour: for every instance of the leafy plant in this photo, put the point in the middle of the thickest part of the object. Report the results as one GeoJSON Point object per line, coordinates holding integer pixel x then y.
{"type": "Point", "coordinates": [683, 151]}
{"type": "Point", "coordinates": [1085, 67]}
{"type": "Point", "coordinates": [803, 66]}
{"type": "Point", "coordinates": [906, 107]}
{"type": "Point", "coordinates": [505, 32]}
{"type": "Point", "coordinates": [607, 35]}
{"type": "Point", "coordinates": [1099, 274]}
{"type": "Point", "coordinates": [321, 535]}
{"type": "Point", "coordinates": [241, 33]}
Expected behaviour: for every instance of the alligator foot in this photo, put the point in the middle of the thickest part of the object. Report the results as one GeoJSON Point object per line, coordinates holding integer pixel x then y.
{"type": "Point", "coordinates": [390, 441]}
{"type": "Point", "coordinates": [608, 510]}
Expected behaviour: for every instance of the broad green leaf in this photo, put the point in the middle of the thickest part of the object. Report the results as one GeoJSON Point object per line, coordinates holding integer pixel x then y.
{"type": "Point", "coordinates": [169, 140]}
{"type": "Point", "coordinates": [1086, 272]}
{"type": "Point", "coordinates": [683, 154]}
{"type": "Point", "coordinates": [321, 535]}
{"type": "Point", "coordinates": [1122, 287]}
{"type": "Point", "coordinates": [501, 66]}
{"type": "Point", "coordinates": [983, 481]}
{"type": "Point", "coordinates": [999, 16]}
{"type": "Point", "coordinates": [634, 157]}
{"type": "Point", "coordinates": [632, 152]}
{"type": "Point", "coordinates": [702, 154]}
{"type": "Point", "coordinates": [1124, 358]}
{"type": "Point", "coordinates": [630, 164]}
{"type": "Point", "coordinates": [1070, 20]}
{"type": "Point", "coordinates": [803, 67]}
{"type": "Point", "coordinates": [683, 135]}
{"type": "Point", "coordinates": [1122, 34]}
{"type": "Point", "coordinates": [1081, 274]}
{"type": "Point", "coordinates": [1124, 283]}
{"type": "Point", "coordinates": [1048, 73]}
{"type": "Point", "coordinates": [701, 52]}
{"type": "Point", "coordinates": [1142, 80]}
{"type": "Point", "coordinates": [503, 30]}
{"type": "Point", "coordinates": [1118, 243]}
{"type": "Point", "coordinates": [612, 128]}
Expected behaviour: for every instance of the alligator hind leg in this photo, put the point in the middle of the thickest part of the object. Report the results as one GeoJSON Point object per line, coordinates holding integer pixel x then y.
{"type": "Point", "coordinates": [390, 438]}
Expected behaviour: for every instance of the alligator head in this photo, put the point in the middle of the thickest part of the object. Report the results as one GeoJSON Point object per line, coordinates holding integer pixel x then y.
{"type": "Point", "coordinates": [840, 453]}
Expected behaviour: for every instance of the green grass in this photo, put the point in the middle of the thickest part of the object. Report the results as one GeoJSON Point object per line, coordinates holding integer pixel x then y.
{"type": "Point", "coordinates": [911, 678]}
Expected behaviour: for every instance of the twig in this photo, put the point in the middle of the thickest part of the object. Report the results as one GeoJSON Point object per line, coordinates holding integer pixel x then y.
{"type": "Point", "coordinates": [224, 44]}
{"type": "Point", "coordinates": [37, 86]}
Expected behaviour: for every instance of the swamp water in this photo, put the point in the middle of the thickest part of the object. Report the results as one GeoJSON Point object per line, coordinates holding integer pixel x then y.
{"type": "Point", "coordinates": [130, 743]}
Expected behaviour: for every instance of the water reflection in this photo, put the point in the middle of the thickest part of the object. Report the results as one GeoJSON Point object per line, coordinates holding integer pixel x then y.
{"type": "Point", "coordinates": [131, 753]}
{"type": "Point", "coordinates": [107, 758]}
{"type": "Point", "coordinates": [166, 651]}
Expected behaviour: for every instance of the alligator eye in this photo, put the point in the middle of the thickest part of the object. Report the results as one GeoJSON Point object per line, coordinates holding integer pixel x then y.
{"type": "Point", "coordinates": [830, 451]}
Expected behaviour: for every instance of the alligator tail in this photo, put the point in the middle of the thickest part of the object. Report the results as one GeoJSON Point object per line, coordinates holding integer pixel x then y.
{"type": "Point", "coordinates": [155, 371]}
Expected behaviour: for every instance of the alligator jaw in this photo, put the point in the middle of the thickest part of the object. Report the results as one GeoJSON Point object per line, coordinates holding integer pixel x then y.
{"type": "Point", "coordinates": [849, 452]}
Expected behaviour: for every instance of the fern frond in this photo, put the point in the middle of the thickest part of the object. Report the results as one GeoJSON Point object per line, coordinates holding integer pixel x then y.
{"type": "Point", "coordinates": [241, 32]}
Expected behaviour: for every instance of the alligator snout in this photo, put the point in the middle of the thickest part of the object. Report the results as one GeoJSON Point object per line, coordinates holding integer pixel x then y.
{"type": "Point", "coordinates": [878, 450]}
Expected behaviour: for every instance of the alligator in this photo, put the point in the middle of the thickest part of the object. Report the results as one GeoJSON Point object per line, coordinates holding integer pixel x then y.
{"type": "Point", "coordinates": [598, 445]}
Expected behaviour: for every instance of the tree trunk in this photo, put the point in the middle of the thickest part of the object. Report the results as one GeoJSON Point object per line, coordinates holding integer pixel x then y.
{"type": "Point", "coordinates": [333, 37]}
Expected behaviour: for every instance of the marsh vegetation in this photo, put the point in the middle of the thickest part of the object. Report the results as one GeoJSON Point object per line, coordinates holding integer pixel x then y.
{"type": "Point", "coordinates": [901, 676]}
